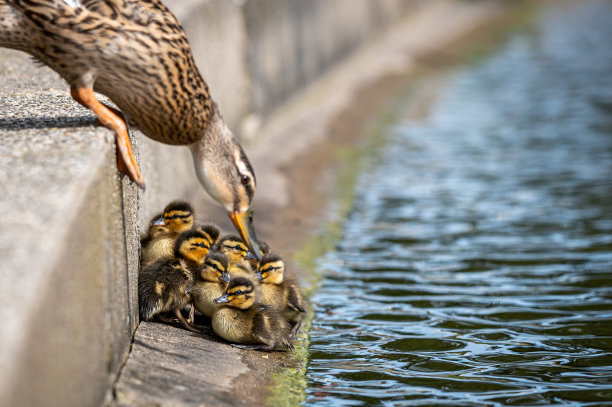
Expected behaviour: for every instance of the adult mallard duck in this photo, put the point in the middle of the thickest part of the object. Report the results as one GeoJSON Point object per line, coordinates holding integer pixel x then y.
{"type": "Point", "coordinates": [136, 53]}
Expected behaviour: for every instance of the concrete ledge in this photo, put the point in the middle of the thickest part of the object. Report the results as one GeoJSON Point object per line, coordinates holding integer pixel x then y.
{"type": "Point", "coordinates": [65, 308]}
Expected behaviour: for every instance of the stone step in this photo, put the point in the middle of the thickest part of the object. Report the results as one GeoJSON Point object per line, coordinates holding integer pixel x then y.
{"type": "Point", "coordinates": [64, 296]}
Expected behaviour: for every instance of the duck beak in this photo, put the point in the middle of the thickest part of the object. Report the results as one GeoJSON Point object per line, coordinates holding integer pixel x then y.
{"type": "Point", "coordinates": [221, 299]}
{"type": "Point", "coordinates": [250, 256]}
{"type": "Point", "coordinates": [258, 275]}
{"type": "Point", "coordinates": [244, 226]}
{"type": "Point", "coordinates": [225, 277]}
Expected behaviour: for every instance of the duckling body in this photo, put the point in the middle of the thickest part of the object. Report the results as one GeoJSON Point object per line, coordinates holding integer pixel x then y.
{"type": "Point", "coordinates": [177, 218]}
{"type": "Point", "coordinates": [280, 290]}
{"type": "Point", "coordinates": [166, 284]}
{"type": "Point", "coordinates": [137, 54]}
{"type": "Point", "coordinates": [210, 283]}
{"type": "Point", "coordinates": [246, 323]}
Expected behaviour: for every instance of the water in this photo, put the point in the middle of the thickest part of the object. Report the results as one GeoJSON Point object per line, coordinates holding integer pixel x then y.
{"type": "Point", "coordinates": [476, 265]}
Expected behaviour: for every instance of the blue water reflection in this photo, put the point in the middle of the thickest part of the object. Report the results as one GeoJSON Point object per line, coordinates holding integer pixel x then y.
{"type": "Point", "coordinates": [476, 266]}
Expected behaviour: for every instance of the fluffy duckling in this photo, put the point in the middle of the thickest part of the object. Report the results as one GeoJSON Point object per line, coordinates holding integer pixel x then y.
{"type": "Point", "coordinates": [238, 254]}
{"type": "Point", "coordinates": [248, 324]}
{"type": "Point", "coordinates": [210, 282]}
{"type": "Point", "coordinates": [265, 249]}
{"type": "Point", "coordinates": [212, 231]}
{"type": "Point", "coordinates": [178, 217]}
{"type": "Point", "coordinates": [166, 284]}
{"type": "Point", "coordinates": [157, 227]}
{"type": "Point", "coordinates": [281, 291]}
{"type": "Point", "coordinates": [234, 248]}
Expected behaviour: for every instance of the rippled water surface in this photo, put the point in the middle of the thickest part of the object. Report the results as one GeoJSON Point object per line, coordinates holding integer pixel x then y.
{"type": "Point", "coordinates": [476, 265]}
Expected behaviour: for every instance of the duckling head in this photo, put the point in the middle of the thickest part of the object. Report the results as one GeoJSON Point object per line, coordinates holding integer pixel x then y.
{"type": "Point", "coordinates": [211, 231]}
{"type": "Point", "coordinates": [271, 269]}
{"type": "Point", "coordinates": [226, 174]}
{"type": "Point", "coordinates": [216, 268]}
{"type": "Point", "coordinates": [157, 226]}
{"type": "Point", "coordinates": [265, 249]}
{"type": "Point", "coordinates": [234, 248]}
{"type": "Point", "coordinates": [178, 216]}
{"type": "Point", "coordinates": [192, 245]}
{"type": "Point", "coordinates": [240, 293]}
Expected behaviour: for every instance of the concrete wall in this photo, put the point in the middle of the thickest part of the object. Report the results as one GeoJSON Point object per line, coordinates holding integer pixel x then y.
{"type": "Point", "coordinates": [292, 42]}
{"type": "Point", "coordinates": [67, 304]}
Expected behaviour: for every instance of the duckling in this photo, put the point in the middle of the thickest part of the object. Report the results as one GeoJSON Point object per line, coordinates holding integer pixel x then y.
{"type": "Point", "coordinates": [210, 282]}
{"type": "Point", "coordinates": [279, 290]}
{"type": "Point", "coordinates": [177, 217]}
{"type": "Point", "coordinates": [234, 248]}
{"type": "Point", "coordinates": [246, 323]}
{"type": "Point", "coordinates": [157, 227]}
{"type": "Point", "coordinates": [238, 254]}
{"type": "Point", "coordinates": [213, 232]}
{"type": "Point", "coordinates": [265, 249]}
{"type": "Point", "coordinates": [166, 284]}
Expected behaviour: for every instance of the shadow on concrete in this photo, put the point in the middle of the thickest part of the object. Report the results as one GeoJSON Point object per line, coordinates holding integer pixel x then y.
{"type": "Point", "coordinates": [41, 122]}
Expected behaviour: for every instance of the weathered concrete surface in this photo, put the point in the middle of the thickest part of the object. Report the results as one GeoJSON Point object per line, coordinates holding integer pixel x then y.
{"type": "Point", "coordinates": [169, 366]}
{"type": "Point", "coordinates": [290, 43]}
{"type": "Point", "coordinates": [62, 245]}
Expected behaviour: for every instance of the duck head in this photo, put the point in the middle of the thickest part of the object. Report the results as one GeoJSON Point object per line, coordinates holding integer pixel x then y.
{"type": "Point", "coordinates": [226, 174]}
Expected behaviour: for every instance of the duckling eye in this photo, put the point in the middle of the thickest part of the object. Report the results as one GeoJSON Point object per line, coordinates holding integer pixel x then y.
{"type": "Point", "coordinates": [237, 247]}
{"type": "Point", "coordinates": [238, 292]}
{"type": "Point", "coordinates": [245, 180]}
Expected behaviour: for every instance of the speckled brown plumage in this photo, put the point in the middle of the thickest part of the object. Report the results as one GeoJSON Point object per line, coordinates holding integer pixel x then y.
{"type": "Point", "coordinates": [136, 53]}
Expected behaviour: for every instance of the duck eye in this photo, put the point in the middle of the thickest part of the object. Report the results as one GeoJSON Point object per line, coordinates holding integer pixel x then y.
{"type": "Point", "coordinates": [175, 216]}
{"type": "Point", "coordinates": [245, 179]}
{"type": "Point", "coordinates": [238, 292]}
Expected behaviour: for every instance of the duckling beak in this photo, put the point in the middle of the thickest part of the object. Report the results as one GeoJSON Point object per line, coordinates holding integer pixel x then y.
{"type": "Point", "coordinates": [258, 275]}
{"type": "Point", "coordinates": [221, 299]}
{"type": "Point", "coordinates": [244, 225]}
{"type": "Point", "coordinates": [225, 277]}
{"type": "Point", "coordinates": [250, 256]}
{"type": "Point", "coordinates": [158, 222]}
